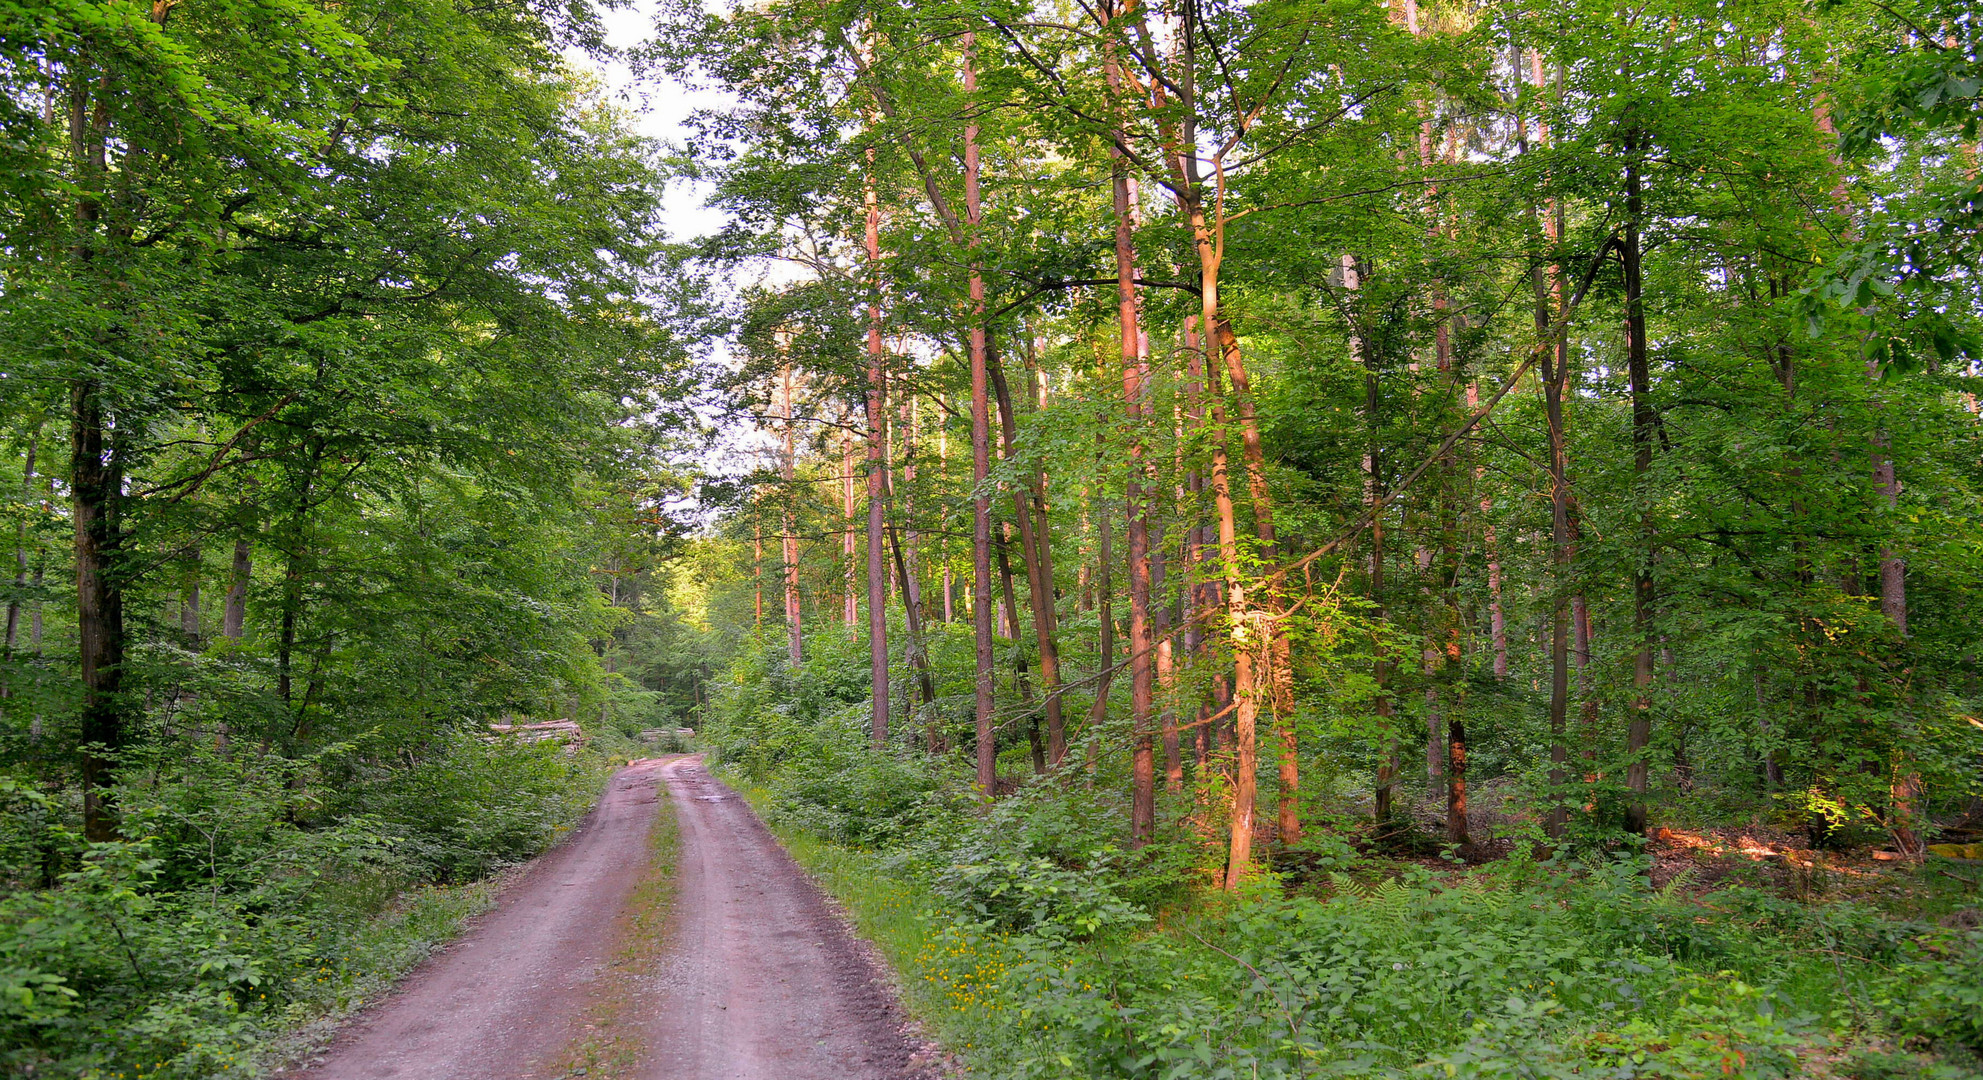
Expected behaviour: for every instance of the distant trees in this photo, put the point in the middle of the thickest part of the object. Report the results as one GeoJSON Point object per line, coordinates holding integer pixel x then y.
{"type": "Point", "coordinates": [1527, 324]}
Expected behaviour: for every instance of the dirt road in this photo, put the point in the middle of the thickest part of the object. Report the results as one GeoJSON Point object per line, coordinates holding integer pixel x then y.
{"type": "Point", "coordinates": [755, 977]}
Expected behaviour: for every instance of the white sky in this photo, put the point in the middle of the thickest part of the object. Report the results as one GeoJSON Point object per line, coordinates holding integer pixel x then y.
{"type": "Point", "coordinates": [659, 107]}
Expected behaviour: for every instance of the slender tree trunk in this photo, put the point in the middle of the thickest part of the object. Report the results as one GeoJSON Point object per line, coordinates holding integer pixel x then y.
{"type": "Point", "coordinates": [1039, 576]}
{"type": "Point", "coordinates": [1375, 497]}
{"type": "Point", "coordinates": [1142, 641]}
{"type": "Point", "coordinates": [942, 548]}
{"type": "Point", "coordinates": [1104, 582]}
{"type": "Point", "coordinates": [1020, 683]}
{"type": "Point", "coordinates": [1555, 372]}
{"type": "Point", "coordinates": [1554, 363]}
{"type": "Point", "coordinates": [912, 609]}
{"type": "Point", "coordinates": [981, 585]}
{"type": "Point", "coordinates": [1639, 732]}
{"type": "Point", "coordinates": [1244, 631]}
{"type": "Point", "coordinates": [1166, 674]}
{"type": "Point", "coordinates": [794, 634]}
{"type": "Point", "coordinates": [877, 478]}
{"type": "Point", "coordinates": [1040, 580]}
{"type": "Point", "coordinates": [95, 481]}
{"type": "Point", "coordinates": [1196, 541]}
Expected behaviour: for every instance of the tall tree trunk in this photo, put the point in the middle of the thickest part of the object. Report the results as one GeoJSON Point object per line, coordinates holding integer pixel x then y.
{"type": "Point", "coordinates": [1375, 497]}
{"type": "Point", "coordinates": [1275, 651]}
{"type": "Point", "coordinates": [1142, 638]}
{"type": "Point", "coordinates": [790, 535]}
{"type": "Point", "coordinates": [1196, 540]}
{"type": "Point", "coordinates": [1244, 631]}
{"type": "Point", "coordinates": [96, 486]}
{"type": "Point", "coordinates": [942, 544]}
{"type": "Point", "coordinates": [1046, 612]}
{"type": "Point", "coordinates": [1039, 576]}
{"type": "Point", "coordinates": [1104, 582]}
{"type": "Point", "coordinates": [877, 478]}
{"type": "Point", "coordinates": [1020, 683]}
{"type": "Point", "coordinates": [1547, 283]}
{"type": "Point", "coordinates": [1639, 731]}
{"type": "Point", "coordinates": [1182, 155]}
{"type": "Point", "coordinates": [981, 584]}
{"type": "Point", "coordinates": [1555, 361]}
{"type": "Point", "coordinates": [1161, 615]}
{"type": "Point", "coordinates": [96, 482]}
{"type": "Point", "coordinates": [1142, 641]}
{"type": "Point", "coordinates": [912, 609]}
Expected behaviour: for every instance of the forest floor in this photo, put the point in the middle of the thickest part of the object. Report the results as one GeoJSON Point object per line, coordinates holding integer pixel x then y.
{"type": "Point", "coordinates": [669, 940]}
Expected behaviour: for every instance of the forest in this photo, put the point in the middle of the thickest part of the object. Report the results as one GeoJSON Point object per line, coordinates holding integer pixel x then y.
{"type": "Point", "coordinates": [1301, 538]}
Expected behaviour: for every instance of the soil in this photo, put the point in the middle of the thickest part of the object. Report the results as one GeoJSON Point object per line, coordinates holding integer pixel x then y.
{"type": "Point", "coordinates": [756, 976]}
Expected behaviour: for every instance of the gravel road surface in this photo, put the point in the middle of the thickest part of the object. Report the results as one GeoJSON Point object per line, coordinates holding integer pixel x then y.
{"type": "Point", "coordinates": [757, 979]}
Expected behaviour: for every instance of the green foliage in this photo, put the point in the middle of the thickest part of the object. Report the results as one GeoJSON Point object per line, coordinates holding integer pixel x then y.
{"type": "Point", "coordinates": [179, 953]}
{"type": "Point", "coordinates": [804, 731]}
{"type": "Point", "coordinates": [1942, 999]}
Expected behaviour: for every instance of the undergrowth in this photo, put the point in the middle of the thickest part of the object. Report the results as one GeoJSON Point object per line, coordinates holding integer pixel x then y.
{"type": "Point", "coordinates": [1036, 944]}
{"type": "Point", "coordinates": [254, 899]}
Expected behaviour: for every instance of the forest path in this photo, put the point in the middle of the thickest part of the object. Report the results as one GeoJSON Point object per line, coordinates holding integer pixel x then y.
{"type": "Point", "coordinates": [762, 980]}
{"type": "Point", "coordinates": [752, 978]}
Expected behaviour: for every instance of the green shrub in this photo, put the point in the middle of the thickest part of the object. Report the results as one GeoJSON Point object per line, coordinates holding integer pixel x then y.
{"type": "Point", "coordinates": [255, 894]}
